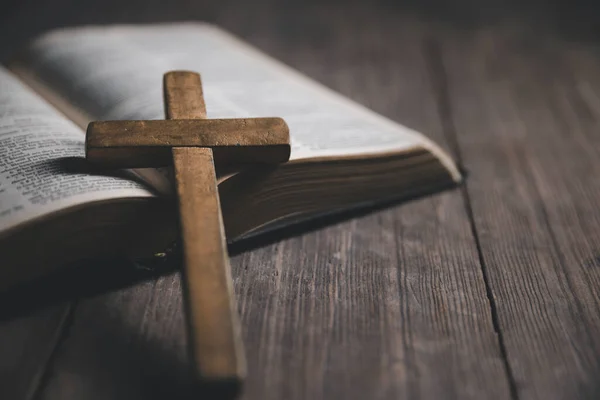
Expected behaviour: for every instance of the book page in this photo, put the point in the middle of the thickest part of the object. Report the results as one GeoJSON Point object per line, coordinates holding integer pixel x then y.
{"type": "Point", "coordinates": [41, 154]}
{"type": "Point", "coordinates": [116, 73]}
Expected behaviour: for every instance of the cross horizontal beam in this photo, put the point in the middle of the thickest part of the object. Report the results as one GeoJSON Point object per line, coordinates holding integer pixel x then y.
{"type": "Point", "coordinates": [136, 144]}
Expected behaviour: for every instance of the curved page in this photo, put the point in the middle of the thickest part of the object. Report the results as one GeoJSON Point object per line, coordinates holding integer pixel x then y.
{"type": "Point", "coordinates": [41, 154]}
{"type": "Point", "coordinates": [116, 73]}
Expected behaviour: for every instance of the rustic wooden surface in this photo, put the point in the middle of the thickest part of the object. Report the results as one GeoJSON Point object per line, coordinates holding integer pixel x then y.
{"type": "Point", "coordinates": [487, 291]}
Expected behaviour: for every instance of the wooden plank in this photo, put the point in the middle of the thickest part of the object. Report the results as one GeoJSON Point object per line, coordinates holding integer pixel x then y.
{"type": "Point", "coordinates": [529, 138]}
{"type": "Point", "coordinates": [390, 305]}
{"type": "Point", "coordinates": [128, 344]}
{"type": "Point", "coordinates": [365, 309]}
{"type": "Point", "coordinates": [27, 342]}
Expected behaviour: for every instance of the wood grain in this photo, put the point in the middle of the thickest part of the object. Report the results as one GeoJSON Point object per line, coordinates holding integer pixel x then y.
{"type": "Point", "coordinates": [129, 144]}
{"type": "Point", "coordinates": [128, 344]}
{"type": "Point", "coordinates": [183, 95]}
{"type": "Point", "coordinates": [390, 305]}
{"type": "Point", "coordinates": [214, 333]}
{"type": "Point", "coordinates": [26, 346]}
{"type": "Point", "coordinates": [401, 309]}
{"type": "Point", "coordinates": [528, 134]}
{"type": "Point", "coordinates": [333, 313]}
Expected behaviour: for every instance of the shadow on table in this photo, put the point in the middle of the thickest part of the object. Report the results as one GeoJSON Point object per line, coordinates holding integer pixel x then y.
{"type": "Point", "coordinates": [112, 353]}
{"type": "Point", "coordinates": [94, 277]}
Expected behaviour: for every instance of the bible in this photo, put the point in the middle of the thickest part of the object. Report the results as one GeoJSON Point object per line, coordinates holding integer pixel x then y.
{"type": "Point", "coordinates": [55, 209]}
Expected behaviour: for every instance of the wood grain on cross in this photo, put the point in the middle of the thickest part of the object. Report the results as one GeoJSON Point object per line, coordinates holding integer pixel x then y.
{"type": "Point", "coordinates": [191, 141]}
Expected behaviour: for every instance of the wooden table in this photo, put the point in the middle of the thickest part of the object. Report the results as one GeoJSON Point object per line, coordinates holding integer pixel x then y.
{"type": "Point", "coordinates": [489, 291]}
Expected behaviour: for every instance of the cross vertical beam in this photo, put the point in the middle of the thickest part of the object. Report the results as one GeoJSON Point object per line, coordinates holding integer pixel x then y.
{"type": "Point", "coordinates": [213, 326]}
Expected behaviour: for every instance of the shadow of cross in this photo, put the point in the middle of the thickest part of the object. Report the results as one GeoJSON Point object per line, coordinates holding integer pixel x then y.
{"type": "Point", "coordinates": [190, 141]}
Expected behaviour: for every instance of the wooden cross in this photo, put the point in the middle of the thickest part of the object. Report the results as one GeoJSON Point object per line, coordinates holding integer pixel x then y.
{"type": "Point", "coordinates": [190, 142]}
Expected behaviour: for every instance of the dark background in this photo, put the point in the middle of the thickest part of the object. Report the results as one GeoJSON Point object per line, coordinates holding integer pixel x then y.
{"type": "Point", "coordinates": [23, 19]}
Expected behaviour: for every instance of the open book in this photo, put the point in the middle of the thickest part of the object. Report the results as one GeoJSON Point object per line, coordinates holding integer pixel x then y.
{"type": "Point", "coordinates": [54, 211]}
